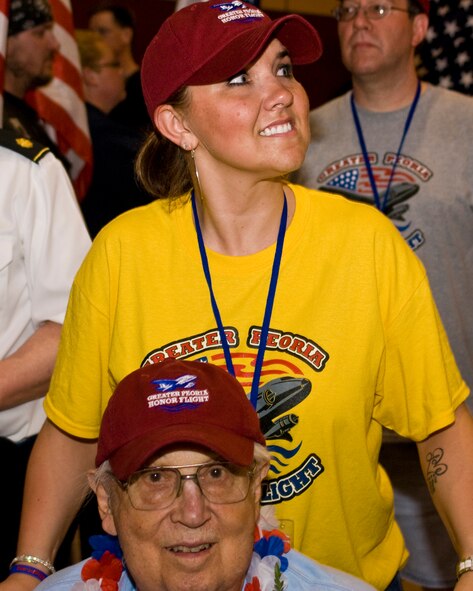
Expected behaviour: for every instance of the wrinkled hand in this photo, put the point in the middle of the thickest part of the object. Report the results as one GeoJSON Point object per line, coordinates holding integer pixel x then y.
{"type": "Point", "coordinates": [19, 583]}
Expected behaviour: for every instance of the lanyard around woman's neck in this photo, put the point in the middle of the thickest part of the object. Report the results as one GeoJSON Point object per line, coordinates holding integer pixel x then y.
{"type": "Point", "coordinates": [382, 205]}
{"type": "Point", "coordinates": [269, 300]}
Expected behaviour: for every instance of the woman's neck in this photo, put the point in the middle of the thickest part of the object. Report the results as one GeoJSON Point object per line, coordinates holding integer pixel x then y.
{"type": "Point", "coordinates": [241, 221]}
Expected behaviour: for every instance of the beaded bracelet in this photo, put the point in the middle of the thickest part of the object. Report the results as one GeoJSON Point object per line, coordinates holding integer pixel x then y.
{"type": "Point", "coordinates": [26, 569]}
{"type": "Point", "coordinates": [464, 566]}
{"type": "Point", "coordinates": [33, 560]}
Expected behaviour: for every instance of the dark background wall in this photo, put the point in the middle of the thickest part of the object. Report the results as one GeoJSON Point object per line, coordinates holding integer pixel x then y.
{"type": "Point", "coordinates": [323, 80]}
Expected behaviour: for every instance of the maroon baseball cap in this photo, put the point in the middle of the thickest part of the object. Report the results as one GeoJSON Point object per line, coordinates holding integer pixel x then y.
{"type": "Point", "coordinates": [177, 402]}
{"type": "Point", "coordinates": [207, 42]}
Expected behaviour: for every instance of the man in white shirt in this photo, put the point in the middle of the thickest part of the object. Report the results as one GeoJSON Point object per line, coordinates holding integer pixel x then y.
{"type": "Point", "coordinates": [43, 240]}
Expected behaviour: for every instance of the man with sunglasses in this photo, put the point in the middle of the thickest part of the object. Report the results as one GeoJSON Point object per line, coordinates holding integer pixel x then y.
{"type": "Point", "coordinates": [180, 463]}
{"type": "Point", "coordinates": [405, 147]}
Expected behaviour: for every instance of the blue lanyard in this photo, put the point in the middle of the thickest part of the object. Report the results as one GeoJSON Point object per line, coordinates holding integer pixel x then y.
{"type": "Point", "coordinates": [269, 301]}
{"type": "Point", "coordinates": [361, 139]}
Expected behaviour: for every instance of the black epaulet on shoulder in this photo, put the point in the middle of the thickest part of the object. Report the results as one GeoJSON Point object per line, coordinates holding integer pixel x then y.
{"type": "Point", "coordinates": [21, 145]}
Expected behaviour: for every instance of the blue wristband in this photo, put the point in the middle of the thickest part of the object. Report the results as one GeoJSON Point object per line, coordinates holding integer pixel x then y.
{"type": "Point", "coordinates": [26, 569]}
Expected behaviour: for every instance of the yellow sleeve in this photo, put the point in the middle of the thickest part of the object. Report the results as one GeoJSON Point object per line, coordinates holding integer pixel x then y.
{"type": "Point", "coordinates": [419, 386]}
{"type": "Point", "coordinates": [81, 386]}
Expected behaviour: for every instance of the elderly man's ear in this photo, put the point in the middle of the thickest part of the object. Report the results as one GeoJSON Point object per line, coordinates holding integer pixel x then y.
{"type": "Point", "coordinates": [103, 501]}
{"type": "Point", "coordinates": [260, 476]}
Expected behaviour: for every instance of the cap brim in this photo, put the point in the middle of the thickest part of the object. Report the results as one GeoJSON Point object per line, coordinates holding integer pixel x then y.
{"type": "Point", "coordinates": [294, 32]}
{"type": "Point", "coordinates": [134, 455]}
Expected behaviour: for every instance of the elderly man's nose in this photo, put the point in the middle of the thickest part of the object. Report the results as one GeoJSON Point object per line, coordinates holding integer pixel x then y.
{"type": "Point", "coordinates": [191, 508]}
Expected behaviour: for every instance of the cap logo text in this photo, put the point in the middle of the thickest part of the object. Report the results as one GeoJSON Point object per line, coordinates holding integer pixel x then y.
{"type": "Point", "coordinates": [237, 11]}
{"type": "Point", "coordinates": [177, 394]}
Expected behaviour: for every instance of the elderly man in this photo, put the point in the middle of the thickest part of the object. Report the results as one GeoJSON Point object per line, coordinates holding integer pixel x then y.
{"type": "Point", "coordinates": [180, 463]}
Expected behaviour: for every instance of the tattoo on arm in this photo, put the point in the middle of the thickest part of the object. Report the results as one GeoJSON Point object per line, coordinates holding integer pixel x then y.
{"type": "Point", "coordinates": [435, 467]}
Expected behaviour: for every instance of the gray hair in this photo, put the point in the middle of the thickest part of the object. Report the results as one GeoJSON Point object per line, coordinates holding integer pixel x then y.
{"type": "Point", "coordinates": [104, 475]}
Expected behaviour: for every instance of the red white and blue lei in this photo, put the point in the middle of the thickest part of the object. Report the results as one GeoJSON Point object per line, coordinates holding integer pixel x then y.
{"type": "Point", "coordinates": [102, 572]}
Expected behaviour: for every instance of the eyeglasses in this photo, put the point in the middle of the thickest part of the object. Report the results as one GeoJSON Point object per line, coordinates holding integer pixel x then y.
{"type": "Point", "coordinates": [221, 483]}
{"type": "Point", "coordinates": [114, 65]}
{"type": "Point", "coordinates": [347, 12]}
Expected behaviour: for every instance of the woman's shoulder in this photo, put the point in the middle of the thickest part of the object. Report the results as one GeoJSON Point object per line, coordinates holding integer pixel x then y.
{"type": "Point", "coordinates": [345, 226]}
{"type": "Point", "coordinates": [150, 218]}
{"type": "Point", "coordinates": [338, 209]}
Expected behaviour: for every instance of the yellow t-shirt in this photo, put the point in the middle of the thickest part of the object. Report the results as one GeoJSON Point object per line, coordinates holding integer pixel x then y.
{"type": "Point", "coordinates": [355, 342]}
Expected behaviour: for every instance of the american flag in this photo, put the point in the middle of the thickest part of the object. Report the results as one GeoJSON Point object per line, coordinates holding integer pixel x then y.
{"type": "Point", "coordinates": [357, 180]}
{"type": "Point", "coordinates": [60, 104]}
{"type": "Point", "coordinates": [447, 55]}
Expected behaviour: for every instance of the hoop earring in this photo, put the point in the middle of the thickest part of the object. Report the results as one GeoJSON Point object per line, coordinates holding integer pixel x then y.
{"type": "Point", "coordinates": [201, 194]}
